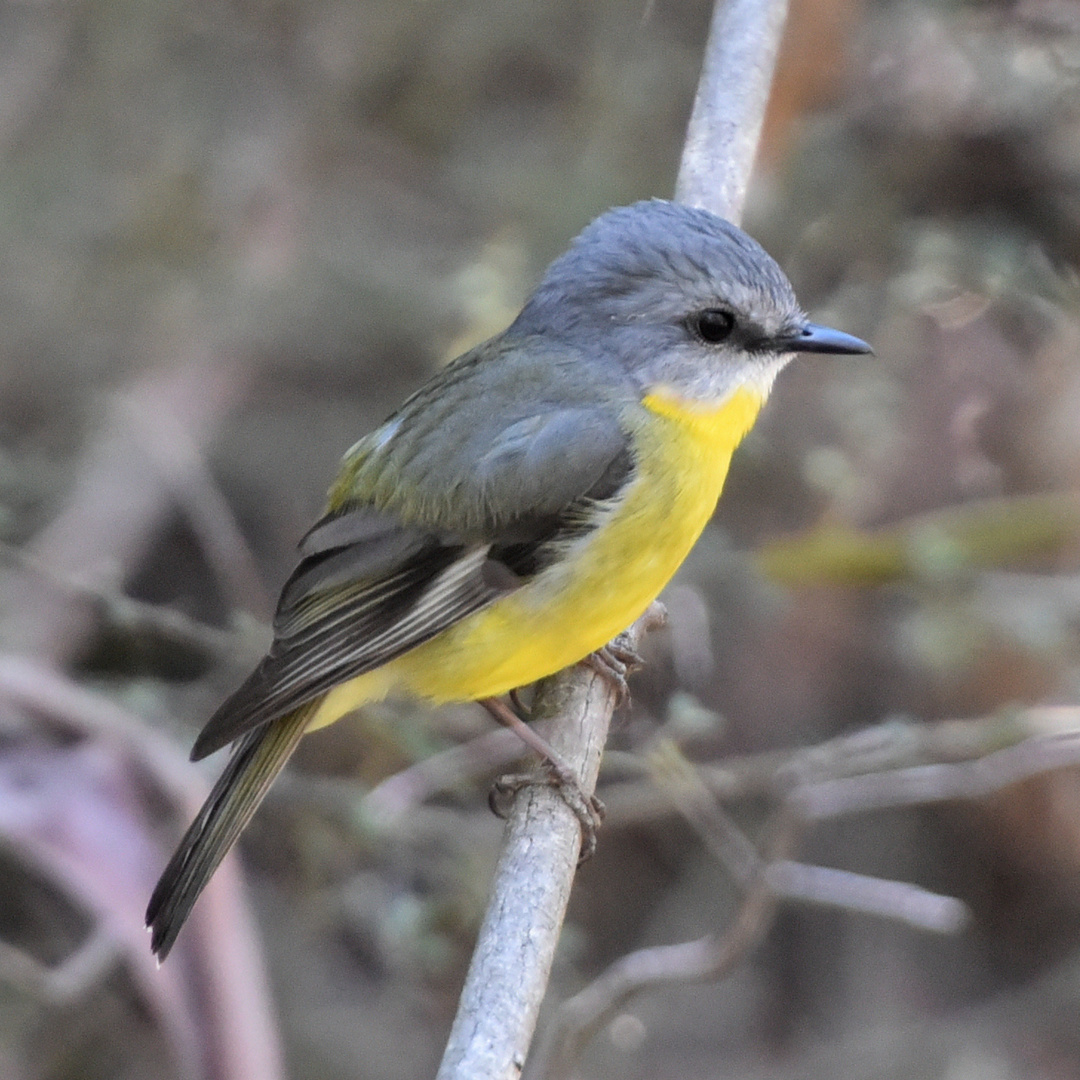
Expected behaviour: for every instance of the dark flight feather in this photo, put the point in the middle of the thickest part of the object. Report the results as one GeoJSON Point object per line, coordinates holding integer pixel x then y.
{"type": "Point", "coordinates": [370, 587]}
{"type": "Point", "coordinates": [256, 761]}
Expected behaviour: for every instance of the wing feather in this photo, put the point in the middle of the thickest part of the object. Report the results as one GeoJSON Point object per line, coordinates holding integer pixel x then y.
{"type": "Point", "coordinates": [373, 584]}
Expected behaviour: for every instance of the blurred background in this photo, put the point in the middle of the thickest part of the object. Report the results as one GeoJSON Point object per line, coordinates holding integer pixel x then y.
{"type": "Point", "coordinates": [234, 235]}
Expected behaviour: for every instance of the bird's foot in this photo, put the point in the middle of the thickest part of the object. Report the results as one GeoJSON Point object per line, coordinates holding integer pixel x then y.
{"type": "Point", "coordinates": [588, 809]}
{"type": "Point", "coordinates": [557, 773]}
{"type": "Point", "coordinates": [614, 662]}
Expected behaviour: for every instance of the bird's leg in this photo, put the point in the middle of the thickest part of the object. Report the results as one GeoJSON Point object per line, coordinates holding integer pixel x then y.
{"type": "Point", "coordinates": [614, 662]}
{"type": "Point", "coordinates": [520, 707]}
{"type": "Point", "coordinates": [588, 809]}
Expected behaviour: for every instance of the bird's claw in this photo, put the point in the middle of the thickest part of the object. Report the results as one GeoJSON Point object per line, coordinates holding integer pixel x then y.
{"type": "Point", "coordinates": [588, 809]}
{"type": "Point", "coordinates": [614, 662]}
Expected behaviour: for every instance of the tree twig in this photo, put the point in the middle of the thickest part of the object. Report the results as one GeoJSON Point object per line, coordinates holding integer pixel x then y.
{"type": "Point", "coordinates": [788, 880]}
{"type": "Point", "coordinates": [135, 616]}
{"type": "Point", "coordinates": [510, 967]}
{"type": "Point", "coordinates": [117, 502]}
{"type": "Point", "coordinates": [884, 898]}
{"type": "Point", "coordinates": [402, 792]}
{"type": "Point", "coordinates": [722, 138]}
{"type": "Point", "coordinates": [234, 993]}
{"type": "Point", "coordinates": [705, 960]}
{"type": "Point", "coordinates": [923, 784]}
{"type": "Point", "coordinates": [180, 461]}
{"type": "Point", "coordinates": [895, 763]}
{"type": "Point", "coordinates": [767, 879]}
{"type": "Point", "coordinates": [516, 945]}
{"type": "Point", "coordinates": [76, 975]}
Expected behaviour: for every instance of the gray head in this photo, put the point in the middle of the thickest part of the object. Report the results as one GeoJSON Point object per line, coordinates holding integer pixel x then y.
{"type": "Point", "coordinates": [681, 297]}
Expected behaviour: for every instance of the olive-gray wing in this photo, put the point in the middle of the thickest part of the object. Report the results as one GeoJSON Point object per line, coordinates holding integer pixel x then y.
{"type": "Point", "coordinates": [371, 585]}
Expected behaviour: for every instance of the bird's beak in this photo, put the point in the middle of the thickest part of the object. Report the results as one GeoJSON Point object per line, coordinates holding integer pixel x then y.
{"type": "Point", "coordinates": [820, 339]}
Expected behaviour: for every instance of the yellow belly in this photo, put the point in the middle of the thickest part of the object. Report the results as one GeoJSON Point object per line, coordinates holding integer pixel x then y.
{"type": "Point", "coordinates": [606, 582]}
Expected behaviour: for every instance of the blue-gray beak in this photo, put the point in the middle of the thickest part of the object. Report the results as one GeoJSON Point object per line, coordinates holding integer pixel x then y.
{"type": "Point", "coordinates": [814, 338]}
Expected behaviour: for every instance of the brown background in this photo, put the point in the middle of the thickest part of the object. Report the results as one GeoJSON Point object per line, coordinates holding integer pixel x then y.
{"type": "Point", "coordinates": [234, 235]}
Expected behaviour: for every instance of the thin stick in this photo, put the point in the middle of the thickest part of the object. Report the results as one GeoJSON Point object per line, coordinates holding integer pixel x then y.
{"type": "Point", "coordinates": [234, 985]}
{"type": "Point", "coordinates": [182, 466]}
{"type": "Point", "coordinates": [923, 784]}
{"type": "Point", "coordinates": [882, 897]}
{"type": "Point", "coordinates": [895, 763]}
{"type": "Point", "coordinates": [705, 960]}
{"type": "Point", "coordinates": [787, 880]}
{"type": "Point", "coordinates": [510, 967]}
{"type": "Point", "coordinates": [508, 975]}
{"type": "Point", "coordinates": [408, 789]}
{"type": "Point", "coordinates": [117, 501]}
{"type": "Point", "coordinates": [134, 616]}
{"type": "Point", "coordinates": [722, 139]}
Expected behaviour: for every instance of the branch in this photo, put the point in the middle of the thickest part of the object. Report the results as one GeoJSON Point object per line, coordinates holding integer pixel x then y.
{"type": "Point", "coordinates": [516, 945]}
{"type": "Point", "coordinates": [883, 898]}
{"type": "Point", "coordinates": [58, 985]}
{"type": "Point", "coordinates": [922, 784]}
{"type": "Point", "coordinates": [240, 1033]}
{"type": "Point", "coordinates": [136, 617]}
{"type": "Point", "coordinates": [400, 795]}
{"type": "Point", "coordinates": [851, 774]}
{"type": "Point", "coordinates": [705, 960]}
{"type": "Point", "coordinates": [722, 139]}
{"type": "Point", "coordinates": [767, 879]}
{"type": "Point", "coordinates": [895, 763]}
{"type": "Point", "coordinates": [118, 500]}
{"type": "Point", "coordinates": [684, 785]}
{"type": "Point", "coordinates": [510, 967]}
{"type": "Point", "coordinates": [983, 534]}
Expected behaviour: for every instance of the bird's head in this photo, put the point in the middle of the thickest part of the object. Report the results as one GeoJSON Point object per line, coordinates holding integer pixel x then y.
{"type": "Point", "coordinates": [681, 298]}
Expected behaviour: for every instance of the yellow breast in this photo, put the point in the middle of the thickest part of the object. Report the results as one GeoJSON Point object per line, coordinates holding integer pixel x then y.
{"type": "Point", "coordinates": [606, 581]}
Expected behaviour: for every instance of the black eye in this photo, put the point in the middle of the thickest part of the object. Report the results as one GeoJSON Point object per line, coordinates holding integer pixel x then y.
{"type": "Point", "coordinates": [713, 325]}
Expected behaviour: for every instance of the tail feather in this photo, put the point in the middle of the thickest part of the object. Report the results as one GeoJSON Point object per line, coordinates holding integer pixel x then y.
{"type": "Point", "coordinates": [258, 758]}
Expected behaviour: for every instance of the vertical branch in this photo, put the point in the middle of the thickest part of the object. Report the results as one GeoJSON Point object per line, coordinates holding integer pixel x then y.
{"type": "Point", "coordinates": [722, 139]}
{"type": "Point", "coordinates": [514, 951]}
{"type": "Point", "coordinates": [497, 1013]}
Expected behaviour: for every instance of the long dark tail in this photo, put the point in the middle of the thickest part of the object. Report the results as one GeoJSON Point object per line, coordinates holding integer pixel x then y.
{"type": "Point", "coordinates": [259, 756]}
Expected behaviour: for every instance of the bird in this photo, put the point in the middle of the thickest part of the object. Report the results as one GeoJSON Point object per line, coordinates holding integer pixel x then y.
{"type": "Point", "coordinates": [522, 507]}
